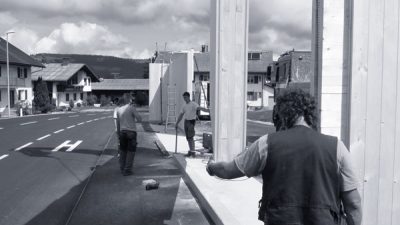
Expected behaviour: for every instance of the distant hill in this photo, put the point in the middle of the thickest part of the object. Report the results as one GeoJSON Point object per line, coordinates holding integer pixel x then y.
{"type": "Point", "coordinates": [107, 67]}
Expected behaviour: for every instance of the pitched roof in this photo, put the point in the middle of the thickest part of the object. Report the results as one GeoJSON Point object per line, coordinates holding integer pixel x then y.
{"type": "Point", "coordinates": [121, 84]}
{"type": "Point", "coordinates": [201, 61]}
{"type": "Point", "coordinates": [15, 55]}
{"type": "Point", "coordinates": [60, 72]}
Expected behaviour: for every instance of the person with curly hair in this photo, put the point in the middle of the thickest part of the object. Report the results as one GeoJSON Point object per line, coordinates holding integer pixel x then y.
{"type": "Point", "coordinates": [308, 177]}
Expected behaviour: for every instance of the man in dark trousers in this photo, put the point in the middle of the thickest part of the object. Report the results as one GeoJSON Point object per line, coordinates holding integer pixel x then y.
{"type": "Point", "coordinates": [189, 112]}
{"type": "Point", "coordinates": [126, 124]}
{"type": "Point", "coordinates": [307, 176]}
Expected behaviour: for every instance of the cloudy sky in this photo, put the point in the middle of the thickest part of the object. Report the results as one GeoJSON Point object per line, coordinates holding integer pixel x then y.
{"type": "Point", "coordinates": [131, 28]}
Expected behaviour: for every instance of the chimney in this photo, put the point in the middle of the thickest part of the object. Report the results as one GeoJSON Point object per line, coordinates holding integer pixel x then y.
{"type": "Point", "coordinates": [65, 61]}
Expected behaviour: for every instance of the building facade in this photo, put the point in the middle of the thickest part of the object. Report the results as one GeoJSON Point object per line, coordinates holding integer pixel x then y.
{"type": "Point", "coordinates": [66, 82]}
{"type": "Point", "coordinates": [20, 80]}
{"type": "Point", "coordinates": [291, 70]}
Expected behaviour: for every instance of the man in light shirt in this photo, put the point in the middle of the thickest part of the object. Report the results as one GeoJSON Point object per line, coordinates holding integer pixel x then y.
{"type": "Point", "coordinates": [189, 113]}
{"type": "Point", "coordinates": [126, 125]}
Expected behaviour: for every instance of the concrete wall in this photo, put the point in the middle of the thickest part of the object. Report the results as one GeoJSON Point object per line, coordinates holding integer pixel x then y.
{"type": "Point", "coordinates": [228, 45]}
{"type": "Point", "coordinates": [157, 72]}
{"type": "Point", "coordinates": [178, 74]}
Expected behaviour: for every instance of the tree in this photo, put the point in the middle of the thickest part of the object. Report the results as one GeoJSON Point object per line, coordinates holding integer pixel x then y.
{"type": "Point", "coordinates": [41, 100]}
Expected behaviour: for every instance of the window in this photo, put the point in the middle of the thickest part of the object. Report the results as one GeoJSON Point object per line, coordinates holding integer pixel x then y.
{"type": "Point", "coordinates": [0, 95]}
{"type": "Point", "coordinates": [254, 55]}
{"type": "Point", "coordinates": [67, 97]}
{"type": "Point", "coordinates": [89, 81]}
{"type": "Point", "coordinates": [277, 75]}
{"type": "Point", "coordinates": [22, 95]}
{"type": "Point", "coordinates": [204, 77]}
{"type": "Point", "coordinates": [252, 96]}
{"type": "Point", "coordinates": [74, 96]}
{"type": "Point", "coordinates": [85, 81]}
{"type": "Point", "coordinates": [0, 71]}
{"type": "Point", "coordinates": [251, 79]}
{"type": "Point", "coordinates": [81, 96]}
{"type": "Point", "coordinates": [25, 72]}
{"type": "Point", "coordinates": [73, 80]}
{"type": "Point", "coordinates": [19, 71]}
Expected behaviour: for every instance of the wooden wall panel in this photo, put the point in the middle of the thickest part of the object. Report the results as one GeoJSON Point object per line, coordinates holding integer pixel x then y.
{"type": "Point", "coordinates": [374, 102]}
{"type": "Point", "coordinates": [388, 111]}
{"type": "Point", "coordinates": [358, 107]}
{"type": "Point", "coordinates": [396, 176]}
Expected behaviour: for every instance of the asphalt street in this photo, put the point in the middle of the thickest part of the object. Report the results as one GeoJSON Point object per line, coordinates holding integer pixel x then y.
{"type": "Point", "coordinates": [42, 158]}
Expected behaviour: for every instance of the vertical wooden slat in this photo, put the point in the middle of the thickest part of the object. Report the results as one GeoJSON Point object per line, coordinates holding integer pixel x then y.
{"type": "Point", "coordinates": [388, 111]}
{"type": "Point", "coordinates": [359, 87]}
{"type": "Point", "coordinates": [374, 101]}
{"type": "Point", "coordinates": [396, 170]}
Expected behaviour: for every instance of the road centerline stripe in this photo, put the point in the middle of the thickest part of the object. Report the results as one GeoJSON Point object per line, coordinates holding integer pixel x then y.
{"type": "Point", "coordinates": [3, 156]}
{"type": "Point", "coordinates": [55, 118]}
{"type": "Point", "coordinates": [45, 136]}
{"type": "Point", "coordinates": [80, 123]}
{"type": "Point", "coordinates": [23, 146]}
{"type": "Point", "coordinates": [23, 124]}
{"type": "Point", "coordinates": [70, 127]}
{"type": "Point", "coordinates": [58, 131]}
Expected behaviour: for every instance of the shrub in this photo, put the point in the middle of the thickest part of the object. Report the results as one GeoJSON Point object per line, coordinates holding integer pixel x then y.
{"type": "Point", "coordinates": [41, 100]}
{"type": "Point", "coordinates": [78, 104]}
{"type": "Point", "coordinates": [104, 101]}
{"type": "Point", "coordinates": [91, 99]}
{"type": "Point", "coordinates": [71, 103]}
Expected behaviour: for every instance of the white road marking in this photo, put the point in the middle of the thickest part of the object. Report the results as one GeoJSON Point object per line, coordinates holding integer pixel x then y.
{"type": "Point", "coordinates": [58, 131]}
{"type": "Point", "coordinates": [45, 136]}
{"type": "Point", "coordinates": [23, 124]}
{"type": "Point", "coordinates": [1, 128]}
{"type": "Point", "coordinates": [65, 144]}
{"type": "Point", "coordinates": [23, 146]}
{"type": "Point", "coordinates": [70, 127]}
{"type": "Point", "coordinates": [74, 116]}
{"type": "Point", "coordinates": [3, 156]}
{"type": "Point", "coordinates": [89, 121]}
{"type": "Point", "coordinates": [55, 118]}
{"type": "Point", "coordinates": [80, 123]}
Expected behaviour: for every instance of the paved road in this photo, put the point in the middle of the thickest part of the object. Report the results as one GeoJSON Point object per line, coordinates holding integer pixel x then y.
{"type": "Point", "coordinates": [42, 158]}
{"type": "Point", "coordinates": [46, 160]}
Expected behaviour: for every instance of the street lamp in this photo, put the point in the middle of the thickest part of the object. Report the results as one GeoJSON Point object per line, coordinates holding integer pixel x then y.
{"type": "Point", "coordinates": [8, 74]}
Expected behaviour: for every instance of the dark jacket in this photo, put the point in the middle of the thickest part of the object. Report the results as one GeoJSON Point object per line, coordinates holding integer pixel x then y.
{"type": "Point", "coordinates": [301, 179]}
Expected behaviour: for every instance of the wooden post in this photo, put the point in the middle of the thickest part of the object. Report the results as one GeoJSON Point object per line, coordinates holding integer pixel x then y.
{"type": "Point", "coordinates": [228, 45]}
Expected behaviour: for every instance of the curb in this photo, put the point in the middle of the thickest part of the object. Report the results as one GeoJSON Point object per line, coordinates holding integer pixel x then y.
{"type": "Point", "coordinates": [204, 204]}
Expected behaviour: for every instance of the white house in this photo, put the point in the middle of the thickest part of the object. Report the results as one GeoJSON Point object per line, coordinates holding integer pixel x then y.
{"type": "Point", "coordinates": [20, 84]}
{"type": "Point", "coordinates": [67, 81]}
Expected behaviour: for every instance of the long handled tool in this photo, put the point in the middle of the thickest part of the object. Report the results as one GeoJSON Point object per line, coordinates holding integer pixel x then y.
{"type": "Point", "coordinates": [176, 139]}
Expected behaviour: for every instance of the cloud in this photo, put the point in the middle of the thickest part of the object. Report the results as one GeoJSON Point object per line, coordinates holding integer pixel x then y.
{"type": "Point", "coordinates": [277, 25]}
{"type": "Point", "coordinates": [86, 38]}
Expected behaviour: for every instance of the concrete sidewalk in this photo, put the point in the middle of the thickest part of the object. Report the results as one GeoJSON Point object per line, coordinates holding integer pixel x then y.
{"type": "Point", "coordinates": [112, 199]}
{"type": "Point", "coordinates": [225, 201]}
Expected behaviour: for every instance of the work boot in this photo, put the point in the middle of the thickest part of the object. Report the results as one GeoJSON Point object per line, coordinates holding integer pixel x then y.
{"type": "Point", "coordinates": [191, 154]}
{"type": "Point", "coordinates": [130, 156]}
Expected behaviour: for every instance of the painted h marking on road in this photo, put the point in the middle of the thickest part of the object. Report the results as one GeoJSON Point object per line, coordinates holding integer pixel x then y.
{"type": "Point", "coordinates": [55, 118]}
{"type": "Point", "coordinates": [23, 146]}
{"type": "Point", "coordinates": [45, 136]}
{"type": "Point", "coordinates": [3, 156]}
{"type": "Point", "coordinates": [67, 145]}
{"type": "Point", "coordinates": [23, 124]}
{"type": "Point", "coordinates": [58, 131]}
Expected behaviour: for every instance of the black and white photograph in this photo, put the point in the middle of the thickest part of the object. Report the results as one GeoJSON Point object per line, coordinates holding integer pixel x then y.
{"type": "Point", "coordinates": [207, 112]}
